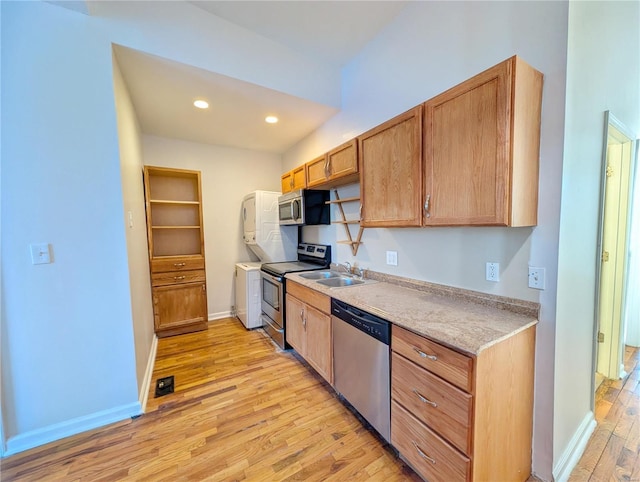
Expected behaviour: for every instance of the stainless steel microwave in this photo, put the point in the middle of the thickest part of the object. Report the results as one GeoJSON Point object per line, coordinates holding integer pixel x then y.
{"type": "Point", "coordinates": [304, 207]}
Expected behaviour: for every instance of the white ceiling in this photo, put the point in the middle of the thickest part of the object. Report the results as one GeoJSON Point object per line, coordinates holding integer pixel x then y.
{"type": "Point", "coordinates": [163, 91]}
{"type": "Point", "coordinates": [331, 31]}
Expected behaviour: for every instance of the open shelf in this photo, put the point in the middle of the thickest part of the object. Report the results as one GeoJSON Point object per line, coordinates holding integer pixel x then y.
{"type": "Point", "coordinates": [355, 244]}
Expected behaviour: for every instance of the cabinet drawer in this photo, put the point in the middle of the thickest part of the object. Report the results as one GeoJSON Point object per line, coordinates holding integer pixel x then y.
{"type": "Point", "coordinates": [431, 456]}
{"type": "Point", "coordinates": [177, 264]}
{"type": "Point", "coordinates": [311, 297]}
{"type": "Point", "coordinates": [171, 278]}
{"type": "Point", "coordinates": [445, 408]}
{"type": "Point", "coordinates": [444, 362]}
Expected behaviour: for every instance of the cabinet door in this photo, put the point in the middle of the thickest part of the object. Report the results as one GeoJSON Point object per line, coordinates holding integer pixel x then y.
{"type": "Point", "coordinates": [296, 330]}
{"type": "Point", "coordinates": [299, 178]}
{"type": "Point", "coordinates": [390, 161]}
{"type": "Point", "coordinates": [286, 182]}
{"type": "Point", "coordinates": [467, 148]}
{"type": "Point", "coordinates": [343, 160]}
{"type": "Point", "coordinates": [316, 171]}
{"type": "Point", "coordinates": [319, 346]}
{"type": "Point", "coordinates": [180, 308]}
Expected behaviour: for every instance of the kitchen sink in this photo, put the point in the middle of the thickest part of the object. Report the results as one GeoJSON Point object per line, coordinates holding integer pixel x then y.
{"type": "Point", "coordinates": [340, 282]}
{"type": "Point", "coordinates": [320, 275]}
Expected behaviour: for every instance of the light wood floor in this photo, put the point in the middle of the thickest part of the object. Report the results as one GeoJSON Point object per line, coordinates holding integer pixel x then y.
{"type": "Point", "coordinates": [613, 452]}
{"type": "Point", "coordinates": [241, 411]}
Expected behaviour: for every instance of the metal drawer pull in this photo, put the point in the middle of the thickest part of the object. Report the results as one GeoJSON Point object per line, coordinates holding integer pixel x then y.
{"type": "Point", "coordinates": [424, 399]}
{"type": "Point", "coordinates": [424, 355]}
{"type": "Point", "coordinates": [179, 277]}
{"type": "Point", "coordinates": [179, 265]}
{"type": "Point", "coordinates": [422, 454]}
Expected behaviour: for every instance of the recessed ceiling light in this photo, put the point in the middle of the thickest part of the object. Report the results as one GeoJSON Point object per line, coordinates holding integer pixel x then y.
{"type": "Point", "coordinates": [201, 104]}
{"type": "Point", "coordinates": [271, 119]}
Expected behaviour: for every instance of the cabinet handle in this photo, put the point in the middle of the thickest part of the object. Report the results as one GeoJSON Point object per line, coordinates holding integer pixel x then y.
{"type": "Point", "coordinates": [427, 205]}
{"type": "Point", "coordinates": [326, 167]}
{"type": "Point", "coordinates": [304, 322]}
{"type": "Point", "coordinates": [177, 278]}
{"type": "Point", "coordinates": [204, 287]}
{"type": "Point", "coordinates": [424, 355]}
{"type": "Point", "coordinates": [423, 399]}
{"type": "Point", "coordinates": [179, 265]}
{"type": "Point", "coordinates": [422, 454]}
{"type": "Point", "coordinates": [360, 211]}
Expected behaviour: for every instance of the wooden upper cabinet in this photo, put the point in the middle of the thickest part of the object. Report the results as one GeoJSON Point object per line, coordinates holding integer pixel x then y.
{"type": "Point", "coordinates": [293, 180]}
{"type": "Point", "coordinates": [390, 161]}
{"type": "Point", "coordinates": [337, 167]}
{"type": "Point", "coordinates": [481, 149]}
{"type": "Point", "coordinates": [317, 172]}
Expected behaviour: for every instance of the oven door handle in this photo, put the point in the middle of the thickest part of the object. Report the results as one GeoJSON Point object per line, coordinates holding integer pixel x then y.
{"type": "Point", "coordinates": [275, 279]}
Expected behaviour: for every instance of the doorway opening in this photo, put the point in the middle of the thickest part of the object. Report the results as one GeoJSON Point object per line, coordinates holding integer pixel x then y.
{"type": "Point", "coordinates": [618, 263]}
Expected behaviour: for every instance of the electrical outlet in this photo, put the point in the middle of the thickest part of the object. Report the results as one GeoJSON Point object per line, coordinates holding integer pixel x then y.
{"type": "Point", "coordinates": [392, 258]}
{"type": "Point", "coordinates": [493, 272]}
{"type": "Point", "coordinates": [536, 278]}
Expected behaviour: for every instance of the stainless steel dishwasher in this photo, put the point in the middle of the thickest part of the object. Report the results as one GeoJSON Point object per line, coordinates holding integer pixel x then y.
{"type": "Point", "coordinates": [361, 363]}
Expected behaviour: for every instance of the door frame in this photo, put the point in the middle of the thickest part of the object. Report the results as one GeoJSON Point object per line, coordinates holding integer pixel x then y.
{"type": "Point", "coordinates": [610, 121]}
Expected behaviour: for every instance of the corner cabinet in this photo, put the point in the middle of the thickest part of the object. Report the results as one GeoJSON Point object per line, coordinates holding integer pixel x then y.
{"type": "Point", "coordinates": [455, 417]}
{"type": "Point", "coordinates": [309, 327]}
{"type": "Point", "coordinates": [481, 149]}
{"type": "Point", "coordinates": [390, 161]}
{"type": "Point", "coordinates": [176, 250]}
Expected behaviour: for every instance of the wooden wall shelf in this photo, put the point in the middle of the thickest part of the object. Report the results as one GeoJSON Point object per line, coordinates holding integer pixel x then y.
{"type": "Point", "coordinates": [355, 244]}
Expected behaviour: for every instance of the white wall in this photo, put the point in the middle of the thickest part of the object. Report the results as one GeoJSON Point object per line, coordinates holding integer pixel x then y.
{"type": "Point", "coordinates": [69, 350]}
{"type": "Point", "coordinates": [602, 74]}
{"type": "Point", "coordinates": [69, 358]}
{"type": "Point", "coordinates": [430, 47]}
{"type": "Point", "coordinates": [136, 233]}
{"type": "Point", "coordinates": [227, 175]}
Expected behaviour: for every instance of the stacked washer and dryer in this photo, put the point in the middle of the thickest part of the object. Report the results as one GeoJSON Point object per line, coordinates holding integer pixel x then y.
{"type": "Point", "coordinates": [270, 242]}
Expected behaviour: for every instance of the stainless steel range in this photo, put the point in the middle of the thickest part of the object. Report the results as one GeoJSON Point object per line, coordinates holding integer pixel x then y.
{"type": "Point", "coordinates": [310, 257]}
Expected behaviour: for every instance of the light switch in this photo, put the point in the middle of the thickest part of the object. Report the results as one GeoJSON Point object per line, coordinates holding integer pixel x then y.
{"type": "Point", "coordinates": [40, 253]}
{"type": "Point", "coordinates": [130, 215]}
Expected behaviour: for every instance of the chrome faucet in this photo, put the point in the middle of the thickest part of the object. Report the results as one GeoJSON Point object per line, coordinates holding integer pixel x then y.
{"type": "Point", "coordinates": [346, 266]}
{"type": "Point", "coordinates": [358, 272]}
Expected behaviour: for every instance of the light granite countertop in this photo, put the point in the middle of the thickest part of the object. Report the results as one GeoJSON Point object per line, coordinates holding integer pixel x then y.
{"type": "Point", "coordinates": [465, 320]}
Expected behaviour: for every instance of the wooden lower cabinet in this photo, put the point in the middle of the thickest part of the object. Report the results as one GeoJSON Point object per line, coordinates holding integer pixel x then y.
{"type": "Point", "coordinates": [309, 327]}
{"type": "Point", "coordinates": [429, 454]}
{"type": "Point", "coordinates": [458, 417]}
{"type": "Point", "coordinates": [179, 308]}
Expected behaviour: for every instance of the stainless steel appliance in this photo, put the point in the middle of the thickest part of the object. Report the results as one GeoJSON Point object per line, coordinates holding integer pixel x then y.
{"type": "Point", "coordinates": [361, 363]}
{"type": "Point", "coordinates": [304, 207]}
{"type": "Point", "coordinates": [273, 283]}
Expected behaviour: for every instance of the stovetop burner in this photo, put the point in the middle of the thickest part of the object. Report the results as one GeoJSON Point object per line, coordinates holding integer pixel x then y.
{"type": "Point", "coordinates": [310, 257]}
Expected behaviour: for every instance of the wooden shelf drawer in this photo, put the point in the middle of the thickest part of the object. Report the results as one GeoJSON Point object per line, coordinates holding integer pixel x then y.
{"type": "Point", "coordinates": [440, 405]}
{"type": "Point", "coordinates": [177, 263]}
{"type": "Point", "coordinates": [171, 278]}
{"type": "Point", "coordinates": [444, 362]}
{"type": "Point", "coordinates": [431, 456]}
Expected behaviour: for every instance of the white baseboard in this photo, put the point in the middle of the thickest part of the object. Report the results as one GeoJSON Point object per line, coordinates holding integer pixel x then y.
{"type": "Point", "coordinates": [575, 449]}
{"type": "Point", "coordinates": [219, 315]}
{"type": "Point", "coordinates": [42, 436]}
{"type": "Point", "coordinates": [148, 375]}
